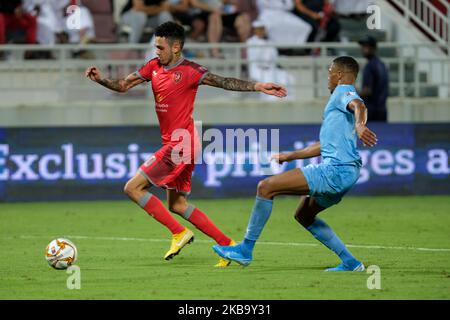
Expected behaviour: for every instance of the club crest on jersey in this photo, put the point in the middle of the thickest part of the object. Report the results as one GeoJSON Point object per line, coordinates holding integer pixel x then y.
{"type": "Point", "coordinates": [177, 76]}
{"type": "Point", "coordinates": [159, 98]}
{"type": "Point", "coordinates": [351, 93]}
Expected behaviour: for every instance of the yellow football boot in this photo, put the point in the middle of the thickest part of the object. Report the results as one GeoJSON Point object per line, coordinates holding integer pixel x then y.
{"type": "Point", "coordinates": [223, 263]}
{"type": "Point", "coordinates": [179, 240]}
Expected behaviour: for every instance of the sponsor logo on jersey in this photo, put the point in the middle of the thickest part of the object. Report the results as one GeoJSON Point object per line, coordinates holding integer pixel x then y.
{"type": "Point", "coordinates": [159, 98]}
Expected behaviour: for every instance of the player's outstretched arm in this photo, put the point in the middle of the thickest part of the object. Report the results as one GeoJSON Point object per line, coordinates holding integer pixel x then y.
{"type": "Point", "coordinates": [234, 84]}
{"type": "Point", "coordinates": [119, 85]}
{"type": "Point", "coordinates": [368, 137]}
{"type": "Point", "coordinates": [310, 151]}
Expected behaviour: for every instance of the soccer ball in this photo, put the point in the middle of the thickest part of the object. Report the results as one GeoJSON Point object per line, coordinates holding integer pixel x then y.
{"type": "Point", "coordinates": [61, 253]}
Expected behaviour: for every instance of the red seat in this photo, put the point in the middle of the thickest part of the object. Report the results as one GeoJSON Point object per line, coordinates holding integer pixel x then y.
{"type": "Point", "coordinates": [102, 13]}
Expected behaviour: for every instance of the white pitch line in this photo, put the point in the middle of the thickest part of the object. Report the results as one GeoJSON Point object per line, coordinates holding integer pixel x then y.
{"type": "Point", "coordinates": [292, 244]}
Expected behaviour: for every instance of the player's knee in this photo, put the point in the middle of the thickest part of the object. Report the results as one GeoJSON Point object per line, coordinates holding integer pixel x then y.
{"type": "Point", "coordinates": [264, 189]}
{"type": "Point", "coordinates": [130, 191]}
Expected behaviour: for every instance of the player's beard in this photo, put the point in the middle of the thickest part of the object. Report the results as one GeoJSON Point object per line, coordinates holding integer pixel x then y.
{"type": "Point", "coordinates": [166, 60]}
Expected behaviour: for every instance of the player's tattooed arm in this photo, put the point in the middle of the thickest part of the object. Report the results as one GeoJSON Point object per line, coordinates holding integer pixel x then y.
{"type": "Point", "coordinates": [310, 151]}
{"type": "Point", "coordinates": [234, 84]}
{"type": "Point", "coordinates": [368, 137]}
{"type": "Point", "coordinates": [119, 85]}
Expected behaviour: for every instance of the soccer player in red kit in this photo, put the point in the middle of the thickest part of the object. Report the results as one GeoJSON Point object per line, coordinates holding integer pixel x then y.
{"type": "Point", "coordinates": [175, 81]}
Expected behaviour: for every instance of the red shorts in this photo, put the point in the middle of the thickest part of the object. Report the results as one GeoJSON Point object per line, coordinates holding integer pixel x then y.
{"type": "Point", "coordinates": [162, 170]}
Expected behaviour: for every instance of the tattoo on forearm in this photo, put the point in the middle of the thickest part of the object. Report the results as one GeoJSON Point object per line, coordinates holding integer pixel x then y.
{"type": "Point", "coordinates": [229, 83]}
{"type": "Point", "coordinates": [116, 85]}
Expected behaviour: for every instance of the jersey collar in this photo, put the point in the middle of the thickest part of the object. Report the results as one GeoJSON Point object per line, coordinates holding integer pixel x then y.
{"type": "Point", "coordinates": [176, 64]}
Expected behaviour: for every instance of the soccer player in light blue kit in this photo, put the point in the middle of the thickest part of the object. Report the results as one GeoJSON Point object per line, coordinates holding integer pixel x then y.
{"type": "Point", "coordinates": [322, 185]}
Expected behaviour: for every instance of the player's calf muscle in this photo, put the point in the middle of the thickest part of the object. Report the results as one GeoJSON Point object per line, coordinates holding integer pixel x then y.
{"type": "Point", "coordinates": [307, 211]}
{"type": "Point", "coordinates": [178, 207]}
{"type": "Point", "coordinates": [304, 217]}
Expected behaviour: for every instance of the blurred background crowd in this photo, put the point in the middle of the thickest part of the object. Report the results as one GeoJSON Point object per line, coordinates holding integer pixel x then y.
{"type": "Point", "coordinates": [47, 22]}
{"type": "Point", "coordinates": [290, 42]}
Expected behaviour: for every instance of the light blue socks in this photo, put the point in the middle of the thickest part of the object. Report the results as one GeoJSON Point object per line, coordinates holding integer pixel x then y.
{"type": "Point", "coordinates": [258, 219]}
{"type": "Point", "coordinates": [323, 232]}
{"type": "Point", "coordinates": [319, 229]}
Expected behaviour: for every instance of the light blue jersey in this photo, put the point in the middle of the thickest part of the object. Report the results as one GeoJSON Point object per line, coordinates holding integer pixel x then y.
{"type": "Point", "coordinates": [330, 180]}
{"type": "Point", "coordinates": [337, 134]}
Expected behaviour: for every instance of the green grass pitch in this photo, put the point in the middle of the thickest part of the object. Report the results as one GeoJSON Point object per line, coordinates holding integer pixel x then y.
{"type": "Point", "coordinates": [121, 252]}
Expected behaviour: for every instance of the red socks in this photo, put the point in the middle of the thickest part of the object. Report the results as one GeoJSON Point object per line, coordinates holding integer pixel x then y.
{"type": "Point", "coordinates": [205, 225]}
{"type": "Point", "coordinates": [154, 207]}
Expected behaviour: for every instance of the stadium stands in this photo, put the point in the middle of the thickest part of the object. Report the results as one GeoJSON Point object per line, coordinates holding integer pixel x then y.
{"type": "Point", "coordinates": [418, 67]}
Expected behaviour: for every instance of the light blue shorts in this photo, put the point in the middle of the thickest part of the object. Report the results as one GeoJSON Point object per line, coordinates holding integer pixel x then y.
{"type": "Point", "coordinates": [328, 183]}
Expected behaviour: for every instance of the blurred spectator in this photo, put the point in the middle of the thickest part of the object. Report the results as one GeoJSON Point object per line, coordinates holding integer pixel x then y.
{"type": "Point", "coordinates": [180, 11]}
{"type": "Point", "coordinates": [219, 15]}
{"type": "Point", "coordinates": [319, 14]}
{"type": "Point", "coordinates": [185, 15]}
{"type": "Point", "coordinates": [375, 81]}
{"type": "Point", "coordinates": [249, 7]}
{"type": "Point", "coordinates": [86, 32]}
{"type": "Point", "coordinates": [208, 13]}
{"type": "Point", "coordinates": [236, 20]}
{"type": "Point", "coordinates": [139, 14]}
{"type": "Point", "coordinates": [53, 21]}
{"type": "Point", "coordinates": [61, 24]}
{"type": "Point", "coordinates": [282, 25]}
{"type": "Point", "coordinates": [353, 9]}
{"type": "Point", "coordinates": [50, 18]}
{"type": "Point", "coordinates": [263, 61]}
{"type": "Point", "coordinates": [13, 17]}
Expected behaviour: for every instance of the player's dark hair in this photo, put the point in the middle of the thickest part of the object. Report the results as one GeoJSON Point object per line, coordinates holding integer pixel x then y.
{"type": "Point", "coordinates": [171, 31]}
{"type": "Point", "coordinates": [348, 64]}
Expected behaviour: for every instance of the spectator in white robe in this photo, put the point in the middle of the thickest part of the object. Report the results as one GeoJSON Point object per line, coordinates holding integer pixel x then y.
{"type": "Point", "coordinates": [50, 18]}
{"type": "Point", "coordinates": [282, 25]}
{"type": "Point", "coordinates": [263, 61]}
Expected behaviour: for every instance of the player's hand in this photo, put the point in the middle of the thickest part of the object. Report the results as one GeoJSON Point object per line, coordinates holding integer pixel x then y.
{"type": "Point", "coordinates": [271, 89]}
{"type": "Point", "coordinates": [94, 74]}
{"type": "Point", "coordinates": [368, 137]}
{"type": "Point", "coordinates": [280, 157]}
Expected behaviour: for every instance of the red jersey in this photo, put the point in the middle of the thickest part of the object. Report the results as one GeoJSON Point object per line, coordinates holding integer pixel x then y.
{"type": "Point", "coordinates": [174, 89]}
